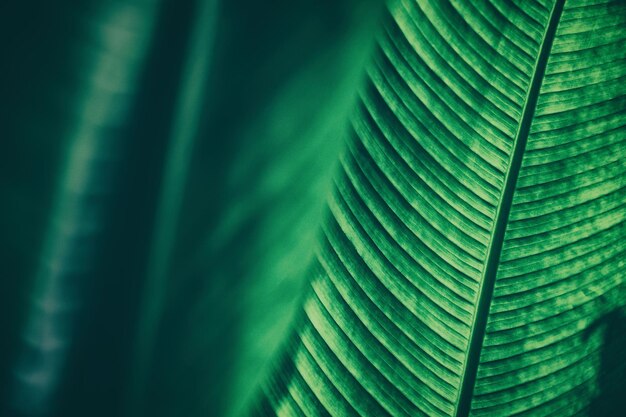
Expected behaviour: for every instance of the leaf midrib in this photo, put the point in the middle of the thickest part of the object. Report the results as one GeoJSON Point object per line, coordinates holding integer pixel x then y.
{"type": "Point", "coordinates": [488, 279]}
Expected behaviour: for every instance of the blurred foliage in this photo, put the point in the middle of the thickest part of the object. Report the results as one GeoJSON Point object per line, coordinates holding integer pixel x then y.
{"type": "Point", "coordinates": [270, 104]}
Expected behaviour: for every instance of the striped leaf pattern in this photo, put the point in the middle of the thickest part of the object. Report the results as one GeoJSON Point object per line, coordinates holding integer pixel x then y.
{"type": "Point", "coordinates": [563, 257]}
{"type": "Point", "coordinates": [473, 244]}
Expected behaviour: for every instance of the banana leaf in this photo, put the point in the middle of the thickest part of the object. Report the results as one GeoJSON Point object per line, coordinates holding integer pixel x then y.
{"type": "Point", "coordinates": [473, 259]}
{"type": "Point", "coordinates": [299, 208]}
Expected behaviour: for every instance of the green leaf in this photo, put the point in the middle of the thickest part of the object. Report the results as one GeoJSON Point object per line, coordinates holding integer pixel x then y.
{"type": "Point", "coordinates": [190, 234]}
{"type": "Point", "coordinates": [247, 147]}
{"type": "Point", "coordinates": [258, 177]}
{"type": "Point", "coordinates": [477, 222]}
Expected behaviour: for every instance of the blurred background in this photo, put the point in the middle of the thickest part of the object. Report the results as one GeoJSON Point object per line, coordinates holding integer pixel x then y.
{"type": "Point", "coordinates": [163, 168]}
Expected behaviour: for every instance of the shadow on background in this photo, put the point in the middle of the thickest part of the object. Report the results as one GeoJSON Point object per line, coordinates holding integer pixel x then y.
{"type": "Point", "coordinates": [611, 380]}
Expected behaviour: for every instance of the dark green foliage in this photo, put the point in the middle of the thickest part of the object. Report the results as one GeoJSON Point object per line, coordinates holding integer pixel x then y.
{"type": "Point", "coordinates": [299, 208]}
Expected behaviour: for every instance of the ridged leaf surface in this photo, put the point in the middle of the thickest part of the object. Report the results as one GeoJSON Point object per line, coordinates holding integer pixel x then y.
{"type": "Point", "coordinates": [474, 240]}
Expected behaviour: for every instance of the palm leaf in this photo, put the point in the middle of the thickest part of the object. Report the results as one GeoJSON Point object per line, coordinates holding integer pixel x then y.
{"type": "Point", "coordinates": [476, 225]}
